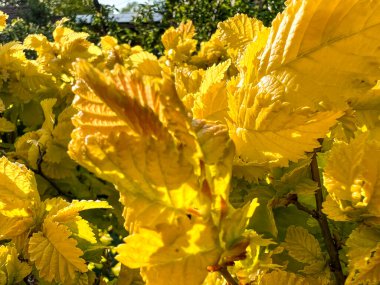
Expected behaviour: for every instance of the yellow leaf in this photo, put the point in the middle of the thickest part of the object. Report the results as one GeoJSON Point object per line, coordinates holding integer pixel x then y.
{"type": "Point", "coordinates": [74, 45]}
{"type": "Point", "coordinates": [81, 229]}
{"type": "Point", "coordinates": [53, 205]}
{"type": "Point", "coordinates": [15, 270]}
{"type": "Point", "coordinates": [363, 253]}
{"type": "Point", "coordinates": [6, 126]}
{"type": "Point", "coordinates": [54, 153]}
{"type": "Point", "coordinates": [167, 169]}
{"type": "Point", "coordinates": [14, 227]}
{"type": "Point", "coordinates": [322, 52]}
{"type": "Point", "coordinates": [108, 43]}
{"type": "Point", "coordinates": [187, 82]}
{"type": "Point", "coordinates": [55, 254]}
{"type": "Point", "coordinates": [367, 109]}
{"type": "Point", "coordinates": [95, 115]}
{"type": "Point", "coordinates": [128, 276]}
{"type": "Point", "coordinates": [39, 43]}
{"type": "Point", "coordinates": [361, 244]}
{"type": "Point", "coordinates": [351, 177]}
{"type": "Point", "coordinates": [3, 278]}
{"type": "Point", "coordinates": [237, 32]}
{"type": "Point", "coordinates": [140, 211]}
{"type": "Point", "coordinates": [147, 166]}
{"type": "Point", "coordinates": [333, 211]}
{"type": "Point", "coordinates": [179, 43]}
{"type": "Point", "coordinates": [18, 190]}
{"type": "Point", "coordinates": [249, 61]}
{"type": "Point", "coordinates": [47, 107]}
{"type": "Point", "coordinates": [187, 247]}
{"type": "Point", "coordinates": [71, 211]}
{"type": "Point", "coordinates": [210, 52]}
{"type": "Point", "coordinates": [87, 278]}
{"type": "Point", "coordinates": [146, 63]}
{"type": "Point", "coordinates": [302, 246]}
{"type": "Point", "coordinates": [284, 278]}
{"type": "Point", "coordinates": [236, 222]}
{"type": "Point", "coordinates": [151, 164]}
{"type": "Point", "coordinates": [2, 106]}
{"type": "Point", "coordinates": [210, 102]}
{"type": "Point", "coordinates": [269, 132]}
{"type": "Point", "coordinates": [140, 102]}
{"type": "Point", "coordinates": [3, 19]}
{"type": "Point", "coordinates": [63, 169]}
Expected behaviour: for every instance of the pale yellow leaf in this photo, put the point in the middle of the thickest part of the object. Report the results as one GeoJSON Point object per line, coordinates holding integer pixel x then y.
{"type": "Point", "coordinates": [333, 211]}
{"type": "Point", "coordinates": [361, 243]}
{"type": "Point", "coordinates": [13, 227]}
{"type": "Point", "coordinates": [269, 132]}
{"type": "Point", "coordinates": [284, 278]}
{"type": "Point", "coordinates": [174, 250]}
{"type": "Point", "coordinates": [351, 176]}
{"type": "Point", "coordinates": [210, 102]}
{"type": "Point", "coordinates": [302, 246]}
{"type": "Point", "coordinates": [363, 253]}
{"type": "Point", "coordinates": [55, 254]}
{"type": "Point", "coordinates": [15, 270]}
{"type": "Point", "coordinates": [47, 107]}
{"type": "Point", "coordinates": [140, 211]}
{"type": "Point", "coordinates": [81, 229]}
{"type": "Point", "coordinates": [71, 211]}
{"type": "Point", "coordinates": [322, 52]}
{"type": "Point", "coordinates": [18, 189]}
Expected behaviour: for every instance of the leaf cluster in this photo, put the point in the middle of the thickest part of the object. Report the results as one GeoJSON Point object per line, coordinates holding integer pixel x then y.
{"type": "Point", "coordinates": [252, 157]}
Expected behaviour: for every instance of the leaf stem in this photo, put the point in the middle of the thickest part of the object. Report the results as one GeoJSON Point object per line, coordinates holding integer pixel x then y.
{"type": "Point", "coordinates": [226, 274]}
{"type": "Point", "coordinates": [332, 247]}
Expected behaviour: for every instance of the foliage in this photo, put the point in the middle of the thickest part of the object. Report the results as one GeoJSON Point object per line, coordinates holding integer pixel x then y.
{"type": "Point", "coordinates": [204, 14]}
{"type": "Point", "coordinates": [252, 158]}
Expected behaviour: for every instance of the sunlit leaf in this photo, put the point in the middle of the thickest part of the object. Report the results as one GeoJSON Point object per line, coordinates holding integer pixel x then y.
{"type": "Point", "coordinates": [55, 254]}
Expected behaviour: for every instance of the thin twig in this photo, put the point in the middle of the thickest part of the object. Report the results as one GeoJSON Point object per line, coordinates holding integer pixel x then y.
{"type": "Point", "coordinates": [226, 274]}
{"type": "Point", "coordinates": [331, 246]}
{"type": "Point", "coordinates": [293, 199]}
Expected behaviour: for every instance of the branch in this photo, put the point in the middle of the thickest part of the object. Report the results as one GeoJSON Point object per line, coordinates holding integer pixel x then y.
{"type": "Point", "coordinates": [332, 247]}
{"type": "Point", "coordinates": [226, 274]}
{"type": "Point", "coordinates": [293, 199]}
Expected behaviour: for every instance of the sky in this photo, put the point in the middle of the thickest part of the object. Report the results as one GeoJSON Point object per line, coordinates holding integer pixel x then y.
{"type": "Point", "coordinates": [119, 4]}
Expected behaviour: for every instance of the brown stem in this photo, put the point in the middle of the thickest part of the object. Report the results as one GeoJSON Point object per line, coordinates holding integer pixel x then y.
{"type": "Point", "coordinates": [293, 199]}
{"type": "Point", "coordinates": [226, 274]}
{"type": "Point", "coordinates": [331, 246]}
